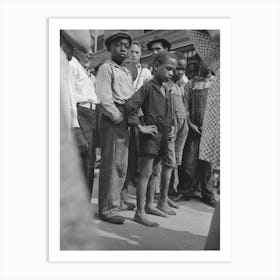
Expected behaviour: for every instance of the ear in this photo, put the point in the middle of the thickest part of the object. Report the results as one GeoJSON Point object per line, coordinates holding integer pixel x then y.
{"type": "Point", "coordinates": [156, 65]}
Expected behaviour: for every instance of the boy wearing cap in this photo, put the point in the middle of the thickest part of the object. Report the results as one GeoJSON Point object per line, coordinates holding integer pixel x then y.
{"type": "Point", "coordinates": [113, 86]}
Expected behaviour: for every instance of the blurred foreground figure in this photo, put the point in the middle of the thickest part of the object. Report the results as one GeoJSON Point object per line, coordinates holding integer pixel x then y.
{"type": "Point", "coordinates": [77, 230]}
{"type": "Point", "coordinates": [207, 45]}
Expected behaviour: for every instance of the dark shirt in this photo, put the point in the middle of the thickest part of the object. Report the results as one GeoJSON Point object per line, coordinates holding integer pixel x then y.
{"type": "Point", "coordinates": [157, 108]}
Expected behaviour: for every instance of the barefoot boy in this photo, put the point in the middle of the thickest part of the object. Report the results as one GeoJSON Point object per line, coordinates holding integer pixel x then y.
{"type": "Point", "coordinates": [156, 106]}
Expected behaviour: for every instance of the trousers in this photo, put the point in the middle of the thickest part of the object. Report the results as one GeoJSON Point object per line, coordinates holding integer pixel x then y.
{"type": "Point", "coordinates": [114, 140]}
{"type": "Point", "coordinates": [194, 170]}
{"type": "Point", "coordinates": [87, 122]}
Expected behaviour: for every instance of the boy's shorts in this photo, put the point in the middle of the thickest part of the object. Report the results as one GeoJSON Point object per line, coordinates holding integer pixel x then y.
{"type": "Point", "coordinates": [153, 145]}
{"type": "Point", "coordinates": [176, 146]}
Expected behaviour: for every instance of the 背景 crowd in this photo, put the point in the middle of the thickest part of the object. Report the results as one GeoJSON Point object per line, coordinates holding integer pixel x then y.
{"type": "Point", "coordinates": [157, 126]}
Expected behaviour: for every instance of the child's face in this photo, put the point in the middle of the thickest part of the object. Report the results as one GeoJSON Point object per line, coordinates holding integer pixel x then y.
{"type": "Point", "coordinates": [135, 54]}
{"type": "Point", "coordinates": [192, 71]}
{"type": "Point", "coordinates": [180, 69]}
{"type": "Point", "coordinates": [165, 71]}
{"type": "Point", "coordinates": [119, 50]}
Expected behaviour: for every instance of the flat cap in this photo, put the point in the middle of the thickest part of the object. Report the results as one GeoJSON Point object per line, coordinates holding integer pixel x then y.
{"type": "Point", "coordinates": [116, 36]}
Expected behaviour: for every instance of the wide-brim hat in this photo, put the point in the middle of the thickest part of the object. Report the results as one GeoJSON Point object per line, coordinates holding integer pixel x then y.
{"type": "Point", "coordinates": [116, 36]}
{"type": "Point", "coordinates": [157, 39]}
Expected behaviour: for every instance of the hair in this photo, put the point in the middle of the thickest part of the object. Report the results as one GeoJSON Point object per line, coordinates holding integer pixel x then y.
{"type": "Point", "coordinates": [179, 55]}
{"type": "Point", "coordinates": [162, 57]}
{"type": "Point", "coordinates": [137, 44]}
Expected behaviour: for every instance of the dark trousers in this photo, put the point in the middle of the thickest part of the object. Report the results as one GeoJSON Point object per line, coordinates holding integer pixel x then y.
{"type": "Point", "coordinates": [114, 140]}
{"type": "Point", "coordinates": [133, 158]}
{"type": "Point", "coordinates": [87, 122]}
{"type": "Point", "coordinates": [194, 170]}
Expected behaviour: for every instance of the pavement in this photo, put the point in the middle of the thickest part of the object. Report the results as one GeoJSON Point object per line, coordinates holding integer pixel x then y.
{"type": "Point", "coordinates": [187, 230]}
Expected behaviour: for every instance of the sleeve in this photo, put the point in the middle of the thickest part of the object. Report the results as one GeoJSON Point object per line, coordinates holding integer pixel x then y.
{"type": "Point", "coordinates": [72, 78]}
{"type": "Point", "coordinates": [187, 91]}
{"type": "Point", "coordinates": [133, 105]}
{"type": "Point", "coordinates": [105, 94]}
{"type": "Point", "coordinates": [147, 76]}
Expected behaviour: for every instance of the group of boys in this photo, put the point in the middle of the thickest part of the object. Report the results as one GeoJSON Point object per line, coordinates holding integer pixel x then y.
{"type": "Point", "coordinates": [167, 112]}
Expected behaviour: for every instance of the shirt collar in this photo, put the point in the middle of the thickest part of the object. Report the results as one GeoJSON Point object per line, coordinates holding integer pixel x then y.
{"type": "Point", "coordinates": [113, 63]}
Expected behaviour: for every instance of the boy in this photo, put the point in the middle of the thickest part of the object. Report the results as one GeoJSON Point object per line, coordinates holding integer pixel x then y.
{"type": "Point", "coordinates": [156, 107]}
{"type": "Point", "coordinates": [113, 87]}
{"type": "Point", "coordinates": [193, 169]}
{"type": "Point", "coordinates": [176, 146]}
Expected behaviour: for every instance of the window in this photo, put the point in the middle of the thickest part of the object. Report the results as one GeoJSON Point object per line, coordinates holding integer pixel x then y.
{"type": "Point", "coordinates": [92, 45]}
{"type": "Point", "coordinates": [100, 42]}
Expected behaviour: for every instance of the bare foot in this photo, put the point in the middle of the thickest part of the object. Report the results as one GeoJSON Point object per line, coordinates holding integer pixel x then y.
{"type": "Point", "coordinates": [172, 204]}
{"type": "Point", "coordinates": [154, 211]}
{"type": "Point", "coordinates": [141, 219]}
{"type": "Point", "coordinates": [166, 209]}
{"type": "Point", "coordinates": [126, 206]}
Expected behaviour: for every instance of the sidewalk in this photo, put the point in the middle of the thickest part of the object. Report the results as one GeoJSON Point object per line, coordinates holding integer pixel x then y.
{"type": "Point", "coordinates": [187, 230]}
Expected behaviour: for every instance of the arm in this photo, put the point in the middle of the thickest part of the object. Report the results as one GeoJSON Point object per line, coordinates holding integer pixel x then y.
{"type": "Point", "coordinates": [105, 94]}
{"type": "Point", "coordinates": [187, 95]}
{"type": "Point", "coordinates": [133, 105]}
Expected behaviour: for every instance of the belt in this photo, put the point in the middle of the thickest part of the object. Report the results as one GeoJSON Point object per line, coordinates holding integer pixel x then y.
{"type": "Point", "coordinates": [87, 105]}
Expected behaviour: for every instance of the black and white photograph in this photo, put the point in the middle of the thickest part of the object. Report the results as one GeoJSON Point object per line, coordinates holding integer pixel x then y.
{"type": "Point", "coordinates": [140, 139]}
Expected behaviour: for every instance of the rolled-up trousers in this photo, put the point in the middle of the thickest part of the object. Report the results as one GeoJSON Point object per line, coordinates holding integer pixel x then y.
{"type": "Point", "coordinates": [114, 140]}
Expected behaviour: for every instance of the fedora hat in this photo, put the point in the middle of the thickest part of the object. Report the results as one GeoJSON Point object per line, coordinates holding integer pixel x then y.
{"type": "Point", "coordinates": [158, 39]}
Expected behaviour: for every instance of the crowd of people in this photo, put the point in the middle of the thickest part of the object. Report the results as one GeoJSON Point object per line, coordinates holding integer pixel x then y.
{"type": "Point", "coordinates": [157, 126]}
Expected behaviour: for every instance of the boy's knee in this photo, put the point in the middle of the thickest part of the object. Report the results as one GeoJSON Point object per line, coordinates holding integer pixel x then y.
{"type": "Point", "coordinates": [146, 172]}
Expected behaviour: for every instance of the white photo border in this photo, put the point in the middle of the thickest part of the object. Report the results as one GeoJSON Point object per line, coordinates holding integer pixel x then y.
{"type": "Point", "coordinates": [55, 25]}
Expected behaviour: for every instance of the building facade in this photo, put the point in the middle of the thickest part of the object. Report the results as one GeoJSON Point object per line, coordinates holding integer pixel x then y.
{"type": "Point", "coordinates": [178, 39]}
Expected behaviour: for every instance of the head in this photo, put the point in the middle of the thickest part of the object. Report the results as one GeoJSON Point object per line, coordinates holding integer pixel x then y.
{"type": "Point", "coordinates": [158, 44]}
{"type": "Point", "coordinates": [119, 49]}
{"type": "Point", "coordinates": [135, 52]}
{"type": "Point", "coordinates": [192, 69]}
{"type": "Point", "coordinates": [118, 44]}
{"type": "Point", "coordinates": [204, 69]}
{"type": "Point", "coordinates": [181, 66]}
{"type": "Point", "coordinates": [82, 57]}
{"type": "Point", "coordinates": [164, 65]}
{"type": "Point", "coordinates": [157, 47]}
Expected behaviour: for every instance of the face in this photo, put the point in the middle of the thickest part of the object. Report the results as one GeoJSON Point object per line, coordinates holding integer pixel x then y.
{"type": "Point", "coordinates": [204, 69]}
{"type": "Point", "coordinates": [119, 50]}
{"type": "Point", "coordinates": [192, 71]}
{"type": "Point", "coordinates": [163, 72]}
{"type": "Point", "coordinates": [180, 69]}
{"type": "Point", "coordinates": [135, 54]}
{"type": "Point", "coordinates": [157, 47]}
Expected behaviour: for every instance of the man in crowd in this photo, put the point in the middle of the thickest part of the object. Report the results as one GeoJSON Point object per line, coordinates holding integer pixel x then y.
{"type": "Point", "coordinates": [84, 114]}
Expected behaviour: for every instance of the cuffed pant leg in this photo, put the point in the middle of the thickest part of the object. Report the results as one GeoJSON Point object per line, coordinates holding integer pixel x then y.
{"type": "Point", "coordinates": [113, 168]}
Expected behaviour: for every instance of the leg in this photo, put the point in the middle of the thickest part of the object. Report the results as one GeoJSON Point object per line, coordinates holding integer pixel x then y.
{"type": "Point", "coordinates": [163, 200]}
{"type": "Point", "coordinates": [87, 122]}
{"type": "Point", "coordinates": [145, 173]}
{"type": "Point", "coordinates": [187, 171]}
{"type": "Point", "coordinates": [206, 182]}
{"type": "Point", "coordinates": [131, 171]}
{"type": "Point", "coordinates": [153, 183]}
{"type": "Point", "coordinates": [114, 155]}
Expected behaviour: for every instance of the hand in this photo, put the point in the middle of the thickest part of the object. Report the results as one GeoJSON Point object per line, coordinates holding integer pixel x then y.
{"type": "Point", "coordinates": [172, 133]}
{"type": "Point", "coordinates": [148, 129]}
{"type": "Point", "coordinates": [80, 140]}
{"type": "Point", "coordinates": [195, 129]}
